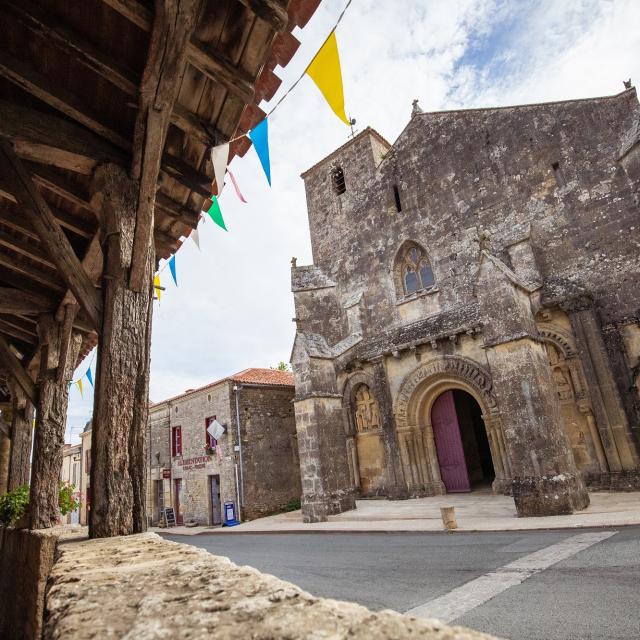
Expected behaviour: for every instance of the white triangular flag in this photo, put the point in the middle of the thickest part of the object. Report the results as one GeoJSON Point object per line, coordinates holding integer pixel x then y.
{"type": "Point", "coordinates": [219, 158]}
{"type": "Point", "coordinates": [196, 238]}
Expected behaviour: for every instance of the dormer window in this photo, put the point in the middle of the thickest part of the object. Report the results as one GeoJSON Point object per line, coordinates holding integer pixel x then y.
{"type": "Point", "coordinates": [414, 269]}
{"type": "Point", "coordinates": [337, 180]}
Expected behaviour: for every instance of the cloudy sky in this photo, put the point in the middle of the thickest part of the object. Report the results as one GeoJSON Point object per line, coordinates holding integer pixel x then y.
{"type": "Point", "coordinates": [233, 306]}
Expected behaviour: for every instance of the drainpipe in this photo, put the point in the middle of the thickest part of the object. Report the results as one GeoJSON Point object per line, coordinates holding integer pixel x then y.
{"type": "Point", "coordinates": [237, 388]}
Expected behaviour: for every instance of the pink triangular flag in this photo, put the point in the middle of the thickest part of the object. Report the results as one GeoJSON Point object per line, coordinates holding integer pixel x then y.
{"type": "Point", "coordinates": [236, 187]}
{"type": "Point", "coordinates": [219, 159]}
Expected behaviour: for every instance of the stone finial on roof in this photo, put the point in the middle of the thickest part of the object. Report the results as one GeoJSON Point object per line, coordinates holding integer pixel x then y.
{"type": "Point", "coordinates": [415, 108]}
{"type": "Point", "coordinates": [627, 83]}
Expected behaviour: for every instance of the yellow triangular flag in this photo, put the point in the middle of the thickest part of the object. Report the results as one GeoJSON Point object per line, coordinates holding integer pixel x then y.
{"type": "Point", "coordinates": [156, 285]}
{"type": "Point", "coordinates": [324, 70]}
{"type": "Point", "coordinates": [79, 383]}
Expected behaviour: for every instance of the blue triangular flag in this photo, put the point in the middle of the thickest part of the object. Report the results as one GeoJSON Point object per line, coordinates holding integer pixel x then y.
{"type": "Point", "coordinates": [89, 376]}
{"type": "Point", "coordinates": [259, 135]}
{"type": "Point", "coordinates": [172, 268]}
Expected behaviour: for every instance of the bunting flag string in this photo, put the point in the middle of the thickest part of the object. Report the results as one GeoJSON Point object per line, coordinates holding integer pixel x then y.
{"type": "Point", "coordinates": [219, 159]}
{"type": "Point", "coordinates": [196, 238]}
{"type": "Point", "coordinates": [157, 286]}
{"type": "Point", "coordinates": [215, 213]}
{"type": "Point", "coordinates": [89, 376]}
{"type": "Point", "coordinates": [236, 187]}
{"type": "Point", "coordinates": [259, 135]}
{"type": "Point", "coordinates": [79, 385]}
{"type": "Point", "coordinates": [172, 268]}
{"type": "Point", "coordinates": [325, 71]}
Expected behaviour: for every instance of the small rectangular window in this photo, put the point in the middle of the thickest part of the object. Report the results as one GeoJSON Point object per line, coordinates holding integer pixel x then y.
{"type": "Point", "coordinates": [87, 461]}
{"type": "Point", "coordinates": [396, 195]}
{"type": "Point", "coordinates": [176, 441]}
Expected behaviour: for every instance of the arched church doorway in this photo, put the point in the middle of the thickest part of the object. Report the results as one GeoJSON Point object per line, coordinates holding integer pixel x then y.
{"type": "Point", "coordinates": [462, 446]}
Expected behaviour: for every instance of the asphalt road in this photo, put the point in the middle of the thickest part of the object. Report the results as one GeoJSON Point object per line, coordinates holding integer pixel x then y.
{"type": "Point", "coordinates": [593, 594]}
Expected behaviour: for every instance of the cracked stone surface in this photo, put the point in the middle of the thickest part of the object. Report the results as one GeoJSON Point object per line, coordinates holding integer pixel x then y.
{"type": "Point", "coordinates": [145, 587]}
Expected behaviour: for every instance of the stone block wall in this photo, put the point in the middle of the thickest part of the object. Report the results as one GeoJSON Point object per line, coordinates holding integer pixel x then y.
{"type": "Point", "coordinates": [142, 586]}
{"type": "Point", "coordinates": [270, 449]}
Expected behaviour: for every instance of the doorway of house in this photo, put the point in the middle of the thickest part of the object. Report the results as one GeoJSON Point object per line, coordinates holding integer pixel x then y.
{"type": "Point", "coordinates": [216, 507]}
{"type": "Point", "coordinates": [177, 484]}
{"type": "Point", "coordinates": [461, 442]}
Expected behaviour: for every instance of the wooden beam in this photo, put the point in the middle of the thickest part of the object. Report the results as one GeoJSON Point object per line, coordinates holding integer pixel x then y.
{"type": "Point", "coordinates": [55, 95]}
{"type": "Point", "coordinates": [271, 11]}
{"type": "Point", "coordinates": [173, 27]}
{"type": "Point", "coordinates": [177, 211]}
{"type": "Point", "coordinates": [36, 210]}
{"type": "Point", "coordinates": [5, 427]}
{"type": "Point", "coordinates": [11, 329]}
{"type": "Point", "coordinates": [49, 139]}
{"type": "Point", "coordinates": [52, 29]}
{"type": "Point", "coordinates": [25, 248]}
{"type": "Point", "coordinates": [35, 274]}
{"type": "Point", "coordinates": [19, 302]}
{"type": "Point", "coordinates": [17, 371]}
{"type": "Point", "coordinates": [210, 63]}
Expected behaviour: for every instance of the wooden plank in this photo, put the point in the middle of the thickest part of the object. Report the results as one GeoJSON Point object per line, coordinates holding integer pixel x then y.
{"type": "Point", "coordinates": [17, 371]}
{"type": "Point", "coordinates": [35, 274]}
{"type": "Point", "coordinates": [20, 302]}
{"type": "Point", "coordinates": [51, 235]}
{"type": "Point", "coordinates": [49, 139]}
{"type": "Point", "coordinates": [173, 27]}
{"type": "Point", "coordinates": [25, 248]}
{"type": "Point", "coordinates": [271, 11]}
{"type": "Point", "coordinates": [55, 31]}
{"type": "Point", "coordinates": [56, 96]}
{"type": "Point", "coordinates": [11, 329]}
{"type": "Point", "coordinates": [210, 63]}
{"type": "Point", "coordinates": [5, 428]}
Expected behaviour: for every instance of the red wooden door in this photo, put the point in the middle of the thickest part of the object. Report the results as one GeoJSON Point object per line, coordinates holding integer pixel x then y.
{"type": "Point", "coordinates": [446, 433]}
{"type": "Point", "coordinates": [178, 489]}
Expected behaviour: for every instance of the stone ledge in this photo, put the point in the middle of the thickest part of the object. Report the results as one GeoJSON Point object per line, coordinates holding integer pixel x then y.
{"type": "Point", "coordinates": [145, 587]}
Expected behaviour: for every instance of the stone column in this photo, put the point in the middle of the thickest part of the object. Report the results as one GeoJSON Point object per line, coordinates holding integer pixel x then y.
{"type": "Point", "coordinates": [395, 484]}
{"type": "Point", "coordinates": [609, 411]}
{"type": "Point", "coordinates": [21, 437]}
{"type": "Point", "coordinates": [545, 480]}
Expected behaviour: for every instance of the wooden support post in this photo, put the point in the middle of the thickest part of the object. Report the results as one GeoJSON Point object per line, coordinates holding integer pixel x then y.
{"type": "Point", "coordinates": [173, 26]}
{"type": "Point", "coordinates": [5, 453]}
{"type": "Point", "coordinates": [120, 410]}
{"type": "Point", "coordinates": [16, 369]}
{"type": "Point", "coordinates": [21, 432]}
{"type": "Point", "coordinates": [51, 418]}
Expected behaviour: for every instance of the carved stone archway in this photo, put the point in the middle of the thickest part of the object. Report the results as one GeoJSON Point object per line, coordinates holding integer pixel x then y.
{"type": "Point", "coordinates": [419, 391]}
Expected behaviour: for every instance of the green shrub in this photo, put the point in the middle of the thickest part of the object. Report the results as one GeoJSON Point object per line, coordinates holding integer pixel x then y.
{"type": "Point", "coordinates": [292, 505]}
{"type": "Point", "coordinates": [13, 505]}
{"type": "Point", "coordinates": [66, 501]}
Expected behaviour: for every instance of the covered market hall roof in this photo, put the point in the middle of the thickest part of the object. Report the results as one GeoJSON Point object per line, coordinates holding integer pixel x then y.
{"type": "Point", "coordinates": [73, 81]}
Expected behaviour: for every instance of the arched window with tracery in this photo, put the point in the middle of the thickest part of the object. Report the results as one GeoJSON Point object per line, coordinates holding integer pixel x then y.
{"type": "Point", "coordinates": [414, 269]}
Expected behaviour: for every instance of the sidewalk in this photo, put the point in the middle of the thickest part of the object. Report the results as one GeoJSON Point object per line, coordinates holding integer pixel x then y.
{"type": "Point", "coordinates": [477, 511]}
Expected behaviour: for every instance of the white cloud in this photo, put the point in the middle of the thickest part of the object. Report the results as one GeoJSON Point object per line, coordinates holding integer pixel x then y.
{"type": "Point", "coordinates": [233, 307]}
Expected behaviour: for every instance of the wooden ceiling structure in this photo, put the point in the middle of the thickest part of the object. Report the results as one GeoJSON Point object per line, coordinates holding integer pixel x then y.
{"type": "Point", "coordinates": [147, 86]}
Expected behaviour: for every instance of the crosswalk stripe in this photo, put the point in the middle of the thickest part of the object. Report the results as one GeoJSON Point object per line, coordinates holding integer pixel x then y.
{"type": "Point", "coordinates": [456, 603]}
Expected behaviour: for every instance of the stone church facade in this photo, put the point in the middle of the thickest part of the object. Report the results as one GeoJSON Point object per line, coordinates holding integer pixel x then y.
{"type": "Point", "coordinates": [471, 317]}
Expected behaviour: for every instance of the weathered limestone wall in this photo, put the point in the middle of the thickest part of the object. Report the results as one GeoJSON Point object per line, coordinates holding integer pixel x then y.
{"type": "Point", "coordinates": [270, 449]}
{"type": "Point", "coordinates": [144, 587]}
{"type": "Point", "coordinates": [195, 466]}
{"type": "Point", "coordinates": [26, 557]}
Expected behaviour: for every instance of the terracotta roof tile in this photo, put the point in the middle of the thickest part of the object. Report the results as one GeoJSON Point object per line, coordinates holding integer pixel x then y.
{"type": "Point", "coordinates": [267, 377]}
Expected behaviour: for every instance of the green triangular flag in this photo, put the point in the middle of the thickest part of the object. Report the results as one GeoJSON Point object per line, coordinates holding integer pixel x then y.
{"type": "Point", "coordinates": [215, 213]}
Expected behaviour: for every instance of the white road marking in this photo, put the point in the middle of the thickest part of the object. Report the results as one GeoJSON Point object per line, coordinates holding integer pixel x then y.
{"type": "Point", "coordinates": [463, 599]}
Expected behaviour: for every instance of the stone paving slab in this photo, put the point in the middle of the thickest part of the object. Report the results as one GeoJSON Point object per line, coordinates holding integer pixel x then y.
{"type": "Point", "coordinates": [478, 511]}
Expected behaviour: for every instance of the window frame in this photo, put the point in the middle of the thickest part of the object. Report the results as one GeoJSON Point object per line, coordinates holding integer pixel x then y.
{"type": "Point", "coordinates": [176, 442]}
{"type": "Point", "coordinates": [415, 264]}
{"type": "Point", "coordinates": [210, 441]}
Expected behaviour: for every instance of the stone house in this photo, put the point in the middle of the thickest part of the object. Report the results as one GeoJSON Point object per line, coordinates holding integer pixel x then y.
{"type": "Point", "coordinates": [471, 315]}
{"type": "Point", "coordinates": [85, 470]}
{"type": "Point", "coordinates": [196, 474]}
{"type": "Point", "coordinates": [71, 473]}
